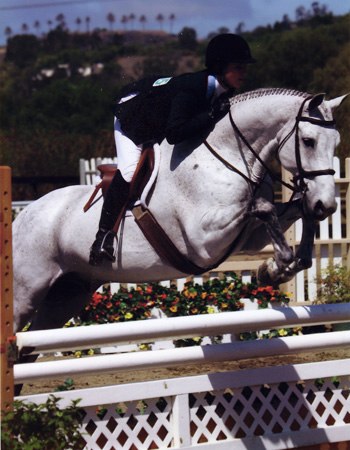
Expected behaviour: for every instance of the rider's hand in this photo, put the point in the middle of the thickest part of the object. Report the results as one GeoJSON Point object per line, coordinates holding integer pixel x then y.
{"type": "Point", "coordinates": [219, 108]}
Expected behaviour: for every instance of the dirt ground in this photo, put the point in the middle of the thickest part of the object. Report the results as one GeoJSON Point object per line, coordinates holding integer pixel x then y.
{"type": "Point", "coordinates": [124, 377]}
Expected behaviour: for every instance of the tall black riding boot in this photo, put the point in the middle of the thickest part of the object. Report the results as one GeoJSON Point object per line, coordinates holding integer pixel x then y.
{"type": "Point", "coordinates": [115, 200]}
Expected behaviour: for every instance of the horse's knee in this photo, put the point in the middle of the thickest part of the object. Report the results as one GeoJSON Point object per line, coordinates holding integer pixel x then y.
{"type": "Point", "coordinates": [263, 209]}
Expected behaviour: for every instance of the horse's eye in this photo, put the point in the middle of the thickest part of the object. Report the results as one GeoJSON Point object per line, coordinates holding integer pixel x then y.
{"type": "Point", "coordinates": [309, 142]}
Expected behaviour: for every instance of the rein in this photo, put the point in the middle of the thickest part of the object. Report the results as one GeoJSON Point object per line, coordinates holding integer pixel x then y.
{"type": "Point", "coordinates": [299, 185]}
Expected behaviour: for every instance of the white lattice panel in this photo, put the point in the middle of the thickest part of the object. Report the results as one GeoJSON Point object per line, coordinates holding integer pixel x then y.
{"type": "Point", "coordinates": [144, 424]}
{"type": "Point", "coordinates": [268, 411]}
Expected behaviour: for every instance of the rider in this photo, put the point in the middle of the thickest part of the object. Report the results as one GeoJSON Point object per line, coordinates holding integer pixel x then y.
{"type": "Point", "coordinates": [177, 108]}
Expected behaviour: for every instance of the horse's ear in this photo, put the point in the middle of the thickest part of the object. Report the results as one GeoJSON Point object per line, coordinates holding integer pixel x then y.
{"type": "Point", "coordinates": [335, 102]}
{"type": "Point", "coordinates": [316, 101]}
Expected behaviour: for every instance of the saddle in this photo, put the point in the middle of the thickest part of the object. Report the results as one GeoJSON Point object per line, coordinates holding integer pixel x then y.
{"type": "Point", "coordinates": [140, 178]}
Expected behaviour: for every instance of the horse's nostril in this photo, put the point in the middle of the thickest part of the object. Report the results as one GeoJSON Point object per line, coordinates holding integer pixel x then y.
{"type": "Point", "coordinates": [319, 207]}
{"type": "Point", "coordinates": [321, 211]}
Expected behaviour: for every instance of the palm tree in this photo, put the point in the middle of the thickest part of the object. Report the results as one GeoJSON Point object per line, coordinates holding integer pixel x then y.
{"type": "Point", "coordinates": [171, 20]}
{"type": "Point", "coordinates": [124, 20]}
{"type": "Point", "coordinates": [131, 19]}
{"type": "Point", "coordinates": [160, 19]}
{"type": "Point", "coordinates": [78, 22]}
{"type": "Point", "coordinates": [24, 28]}
{"type": "Point", "coordinates": [87, 21]}
{"type": "Point", "coordinates": [239, 28]}
{"type": "Point", "coordinates": [143, 21]}
{"type": "Point", "coordinates": [61, 20]}
{"type": "Point", "coordinates": [8, 32]}
{"type": "Point", "coordinates": [37, 26]}
{"type": "Point", "coordinates": [111, 20]}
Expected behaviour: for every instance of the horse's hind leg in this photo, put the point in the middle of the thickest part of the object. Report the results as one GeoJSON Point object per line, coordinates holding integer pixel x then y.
{"type": "Point", "coordinates": [64, 300]}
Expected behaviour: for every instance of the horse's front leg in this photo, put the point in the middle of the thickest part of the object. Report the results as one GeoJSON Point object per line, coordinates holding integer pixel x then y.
{"type": "Point", "coordinates": [274, 270]}
{"type": "Point", "coordinates": [284, 265]}
{"type": "Point", "coordinates": [303, 259]}
{"type": "Point", "coordinates": [269, 271]}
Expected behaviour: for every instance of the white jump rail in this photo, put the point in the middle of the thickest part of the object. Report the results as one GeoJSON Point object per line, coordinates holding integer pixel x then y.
{"type": "Point", "coordinates": [181, 356]}
{"type": "Point", "coordinates": [209, 324]}
{"type": "Point", "coordinates": [94, 336]}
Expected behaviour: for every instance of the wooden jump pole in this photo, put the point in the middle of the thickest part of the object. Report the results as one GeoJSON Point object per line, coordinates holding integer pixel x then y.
{"type": "Point", "coordinates": [6, 290]}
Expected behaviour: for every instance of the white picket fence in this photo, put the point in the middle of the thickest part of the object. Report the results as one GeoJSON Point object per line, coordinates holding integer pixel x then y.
{"type": "Point", "coordinates": [332, 245]}
{"type": "Point", "coordinates": [274, 407]}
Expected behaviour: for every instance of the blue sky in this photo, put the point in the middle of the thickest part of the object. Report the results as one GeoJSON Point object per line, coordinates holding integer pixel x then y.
{"type": "Point", "coordinates": [204, 16]}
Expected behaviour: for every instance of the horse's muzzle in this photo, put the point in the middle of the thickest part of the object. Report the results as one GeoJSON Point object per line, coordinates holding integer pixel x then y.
{"type": "Point", "coordinates": [321, 211]}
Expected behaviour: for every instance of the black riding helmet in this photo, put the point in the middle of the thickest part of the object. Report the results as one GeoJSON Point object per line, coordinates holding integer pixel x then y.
{"type": "Point", "coordinates": [225, 49]}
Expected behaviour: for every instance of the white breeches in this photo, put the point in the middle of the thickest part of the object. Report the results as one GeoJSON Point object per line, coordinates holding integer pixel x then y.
{"type": "Point", "coordinates": [128, 152]}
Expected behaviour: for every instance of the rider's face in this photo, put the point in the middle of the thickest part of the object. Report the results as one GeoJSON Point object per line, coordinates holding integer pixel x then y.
{"type": "Point", "coordinates": [234, 75]}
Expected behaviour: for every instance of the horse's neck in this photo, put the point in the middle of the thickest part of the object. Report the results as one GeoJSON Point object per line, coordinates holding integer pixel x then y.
{"type": "Point", "coordinates": [261, 120]}
{"type": "Point", "coordinates": [201, 200]}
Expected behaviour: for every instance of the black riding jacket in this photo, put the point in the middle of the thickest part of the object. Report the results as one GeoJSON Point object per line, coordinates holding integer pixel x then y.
{"type": "Point", "coordinates": [175, 109]}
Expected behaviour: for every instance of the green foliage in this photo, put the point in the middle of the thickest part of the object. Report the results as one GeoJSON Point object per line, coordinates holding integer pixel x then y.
{"type": "Point", "coordinates": [188, 38]}
{"type": "Point", "coordinates": [68, 385]}
{"type": "Point", "coordinates": [334, 79]}
{"type": "Point", "coordinates": [22, 50]}
{"type": "Point", "coordinates": [42, 427]}
{"type": "Point", "coordinates": [335, 285]}
{"type": "Point", "coordinates": [66, 115]}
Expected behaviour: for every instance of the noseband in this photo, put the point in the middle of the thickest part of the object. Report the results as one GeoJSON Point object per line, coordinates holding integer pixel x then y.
{"type": "Point", "coordinates": [299, 185]}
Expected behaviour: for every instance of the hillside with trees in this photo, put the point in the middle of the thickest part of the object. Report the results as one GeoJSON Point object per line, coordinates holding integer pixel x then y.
{"type": "Point", "coordinates": [57, 91]}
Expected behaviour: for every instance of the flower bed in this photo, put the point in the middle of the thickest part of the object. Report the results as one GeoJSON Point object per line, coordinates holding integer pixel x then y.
{"type": "Point", "coordinates": [216, 295]}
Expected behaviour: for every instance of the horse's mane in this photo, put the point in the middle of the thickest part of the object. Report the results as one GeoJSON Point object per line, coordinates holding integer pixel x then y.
{"type": "Point", "coordinates": [264, 92]}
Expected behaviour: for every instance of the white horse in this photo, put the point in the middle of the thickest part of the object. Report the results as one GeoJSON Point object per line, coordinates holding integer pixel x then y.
{"type": "Point", "coordinates": [208, 203]}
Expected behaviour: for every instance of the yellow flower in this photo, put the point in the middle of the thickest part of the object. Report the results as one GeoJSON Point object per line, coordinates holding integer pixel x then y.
{"type": "Point", "coordinates": [91, 352]}
{"type": "Point", "coordinates": [210, 309]}
{"type": "Point", "coordinates": [78, 354]}
{"type": "Point", "coordinates": [282, 332]}
{"type": "Point", "coordinates": [173, 308]}
{"type": "Point", "coordinates": [144, 347]}
{"type": "Point", "coordinates": [224, 305]}
{"type": "Point", "coordinates": [128, 315]}
{"type": "Point", "coordinates": [298, 330]}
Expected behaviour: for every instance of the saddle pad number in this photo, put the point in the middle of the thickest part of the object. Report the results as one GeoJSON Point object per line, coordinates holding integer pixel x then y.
{"type": "Point", "coordinates": [161, 81]}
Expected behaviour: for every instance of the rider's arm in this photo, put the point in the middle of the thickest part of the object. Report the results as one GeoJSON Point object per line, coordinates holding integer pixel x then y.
{"type": "Point", "coordinates": [189, 116]}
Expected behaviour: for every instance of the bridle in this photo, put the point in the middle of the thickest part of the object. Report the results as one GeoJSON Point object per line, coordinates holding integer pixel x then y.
{"type": "Point", "coordinates": [299, 184]}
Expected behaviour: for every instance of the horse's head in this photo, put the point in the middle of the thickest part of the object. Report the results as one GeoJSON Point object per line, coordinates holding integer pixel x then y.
{"type": "Point", "coordinates": [307, 149]}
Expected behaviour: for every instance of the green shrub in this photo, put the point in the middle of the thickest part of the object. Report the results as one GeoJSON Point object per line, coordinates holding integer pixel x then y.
{"type": "Point", "coordinates": [335, 285]}
{"type": "Point", "coordinates": [29, 426]}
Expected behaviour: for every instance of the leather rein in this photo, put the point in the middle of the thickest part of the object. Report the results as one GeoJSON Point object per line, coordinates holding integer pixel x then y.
{"type": "Point", "coordinates": [299, 185]}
